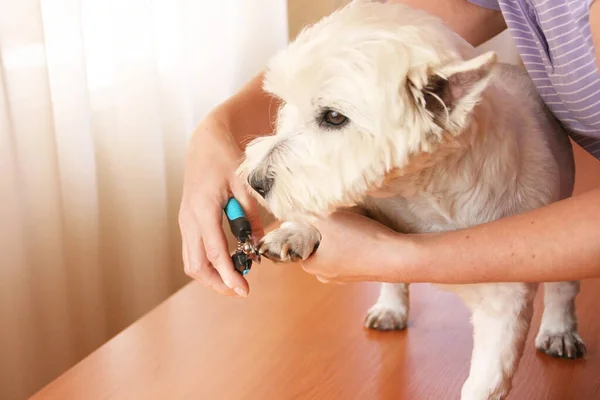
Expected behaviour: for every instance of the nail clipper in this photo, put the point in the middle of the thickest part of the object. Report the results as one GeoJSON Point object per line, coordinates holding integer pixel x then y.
{"type": "Point", "coordinates": [246, 250]}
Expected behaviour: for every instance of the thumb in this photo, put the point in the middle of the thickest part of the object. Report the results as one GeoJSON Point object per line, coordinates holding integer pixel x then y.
{"type": "Point", "coordinates": [251, 209]}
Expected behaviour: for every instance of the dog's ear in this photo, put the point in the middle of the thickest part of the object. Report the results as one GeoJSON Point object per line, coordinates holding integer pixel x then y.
{"type": "Point", "coordinates": [449, 94]}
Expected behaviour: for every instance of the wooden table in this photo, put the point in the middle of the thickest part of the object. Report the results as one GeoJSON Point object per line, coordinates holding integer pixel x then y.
{"type": "Point", "coordinates": [295, 338]}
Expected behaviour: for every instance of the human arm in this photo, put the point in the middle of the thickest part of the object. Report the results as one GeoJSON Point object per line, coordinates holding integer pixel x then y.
{"type": "Point", "coordinates": [216, 148]}
{"type": "Point", "coordinates": [559, 242]}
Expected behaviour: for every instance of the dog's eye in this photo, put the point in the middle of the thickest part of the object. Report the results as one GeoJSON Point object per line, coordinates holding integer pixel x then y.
{"type": "Point", "coordinates": [333, 118]}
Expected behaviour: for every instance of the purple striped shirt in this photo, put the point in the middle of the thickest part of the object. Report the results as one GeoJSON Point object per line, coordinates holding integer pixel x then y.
{"type": "Point", "coordinates": [554, 41]}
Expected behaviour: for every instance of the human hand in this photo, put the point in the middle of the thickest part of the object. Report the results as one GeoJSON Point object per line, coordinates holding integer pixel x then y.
{"type": "Point", "coordinates": [350, 250]}
{"type": "Point", "coordinates": [210, 180]}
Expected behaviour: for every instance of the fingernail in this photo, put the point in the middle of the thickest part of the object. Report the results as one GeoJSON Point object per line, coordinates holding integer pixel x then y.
{"type": "Point", "coordinates": [241, 292]}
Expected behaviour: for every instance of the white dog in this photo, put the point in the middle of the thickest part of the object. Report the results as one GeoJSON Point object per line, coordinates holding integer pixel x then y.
{"type": "Point", "coordinates": [386, 98]}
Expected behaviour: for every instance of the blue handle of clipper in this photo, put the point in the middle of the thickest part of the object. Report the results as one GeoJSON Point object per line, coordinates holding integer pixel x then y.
{"type": "Point", "coordinates": [234, 210]}
{"type": "Point", "coordinates": [239, 224]}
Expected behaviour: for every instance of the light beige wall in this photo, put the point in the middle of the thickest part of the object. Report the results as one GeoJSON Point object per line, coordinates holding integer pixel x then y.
{"type": "Point", "coordinates": [305, 12]}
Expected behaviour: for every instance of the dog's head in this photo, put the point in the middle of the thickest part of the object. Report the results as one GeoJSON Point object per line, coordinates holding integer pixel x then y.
{"type": "Point", "coordinates": [361, 91]}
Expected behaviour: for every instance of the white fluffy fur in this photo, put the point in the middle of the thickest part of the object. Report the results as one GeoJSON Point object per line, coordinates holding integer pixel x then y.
{"type": "Point", "coordinates": [495, 152]}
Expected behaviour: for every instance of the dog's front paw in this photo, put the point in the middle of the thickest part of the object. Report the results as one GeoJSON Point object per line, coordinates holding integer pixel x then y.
{"type": "Point", "coordinates": [290, 243]}
{"type": "Point", "coordinates": [561, 345]}
{"type": "Point", "coordinates": [385, 318]}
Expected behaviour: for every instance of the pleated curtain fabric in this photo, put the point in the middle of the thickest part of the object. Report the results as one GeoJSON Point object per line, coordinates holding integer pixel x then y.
{"type": "Point", "coordinates": [98, 99]}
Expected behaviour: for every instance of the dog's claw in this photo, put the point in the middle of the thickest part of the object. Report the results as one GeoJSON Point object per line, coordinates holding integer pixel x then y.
{"type": "Point", "coordinates": [289, 256]}
{"type": "Point", "coordinates": [562, 345]}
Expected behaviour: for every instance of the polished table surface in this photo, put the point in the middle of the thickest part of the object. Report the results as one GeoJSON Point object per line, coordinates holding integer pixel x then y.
{"type": "Point", "coordinates": [296, 338]}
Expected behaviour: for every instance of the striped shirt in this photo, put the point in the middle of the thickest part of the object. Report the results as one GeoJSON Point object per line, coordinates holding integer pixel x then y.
{"type": "Point", "coordinates": [554, 41]}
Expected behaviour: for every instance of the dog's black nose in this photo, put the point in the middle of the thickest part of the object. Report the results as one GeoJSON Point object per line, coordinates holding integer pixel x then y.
{"type": "Point", "coordinates": [261, 184]}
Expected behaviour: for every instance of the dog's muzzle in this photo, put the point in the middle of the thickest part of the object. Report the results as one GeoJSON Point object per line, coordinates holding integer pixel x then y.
{"type": "Point", "coordinates": [261, 184]}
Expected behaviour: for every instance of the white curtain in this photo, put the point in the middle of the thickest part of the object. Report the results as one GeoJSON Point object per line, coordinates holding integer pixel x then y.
{"type": "Point", "coordinates": [97, 101]}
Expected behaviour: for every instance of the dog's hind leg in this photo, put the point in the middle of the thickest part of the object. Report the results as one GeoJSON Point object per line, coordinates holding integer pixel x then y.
{"type": "Point", "coordinates": [390, 312]}
{"type": "Point", "coordinates": [558, 334]}
{"type": "Point", "coordinates": [501, 315]}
